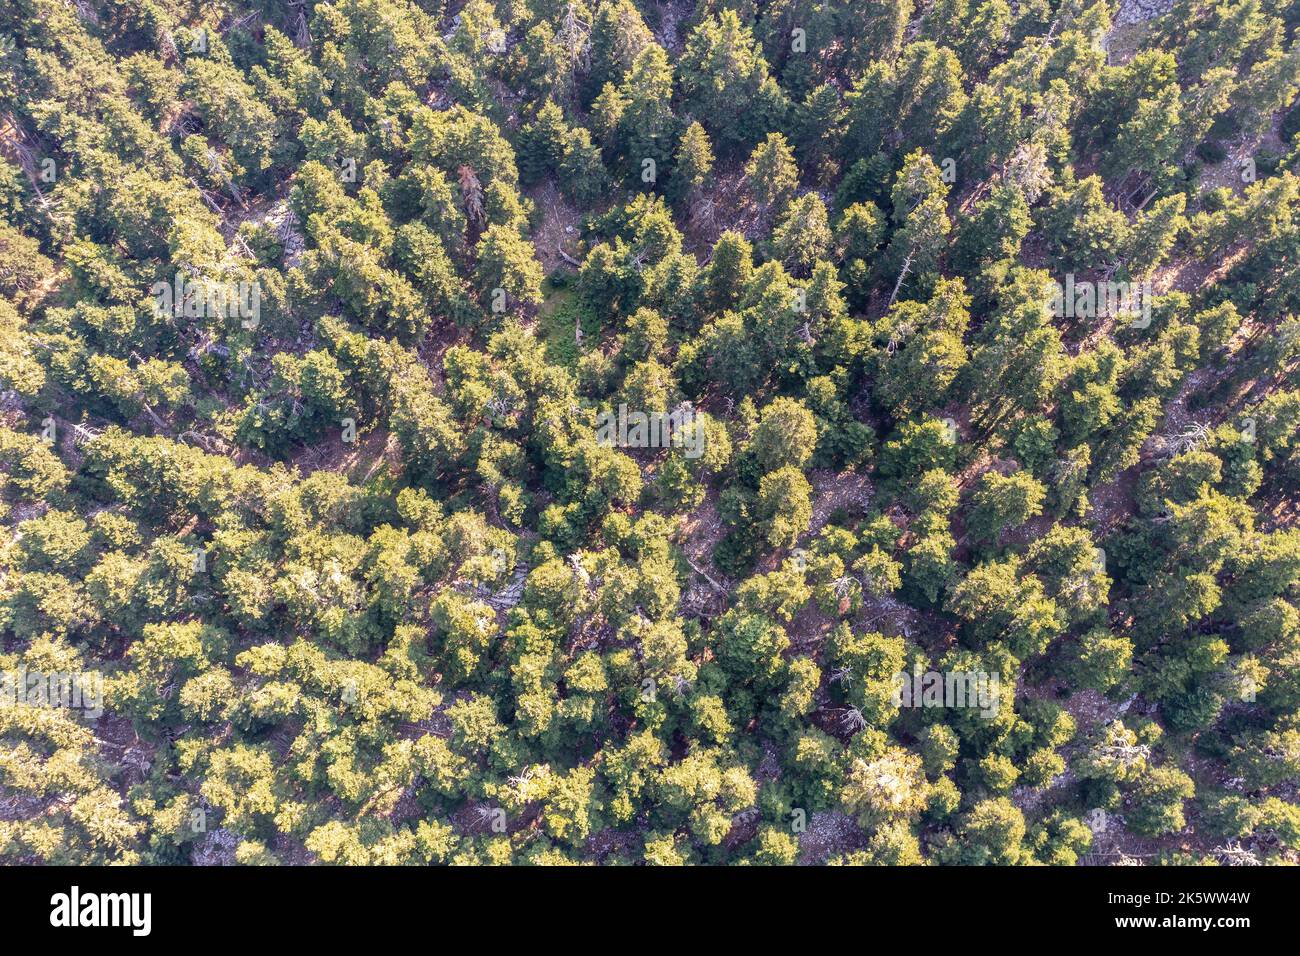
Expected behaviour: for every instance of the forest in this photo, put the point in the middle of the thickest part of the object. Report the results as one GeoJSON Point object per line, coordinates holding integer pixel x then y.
{"type": "Point", "coordinates": [649, 432]}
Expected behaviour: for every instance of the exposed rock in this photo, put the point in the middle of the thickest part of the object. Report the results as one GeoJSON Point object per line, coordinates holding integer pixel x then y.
{"type": "Point", "coordinates": [1139, 11]}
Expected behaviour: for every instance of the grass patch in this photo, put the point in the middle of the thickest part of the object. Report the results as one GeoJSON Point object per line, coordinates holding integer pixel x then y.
{"type": "Point", "coordinates": [555, 322]}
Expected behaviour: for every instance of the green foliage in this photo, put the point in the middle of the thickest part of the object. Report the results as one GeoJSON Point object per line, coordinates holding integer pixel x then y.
{"type": "Point", "coordinates": [312, 320]}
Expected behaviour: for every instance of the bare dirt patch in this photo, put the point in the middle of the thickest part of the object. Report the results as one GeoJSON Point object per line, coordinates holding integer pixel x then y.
{"type": "Point", "coordinates": [558, 234]}
{"type": "Point", "coordinates": [829, 834]}
{"type": "Point", "coordinates": [849, 491]}
{"type": "Point", "coordinates": [359, 461]}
